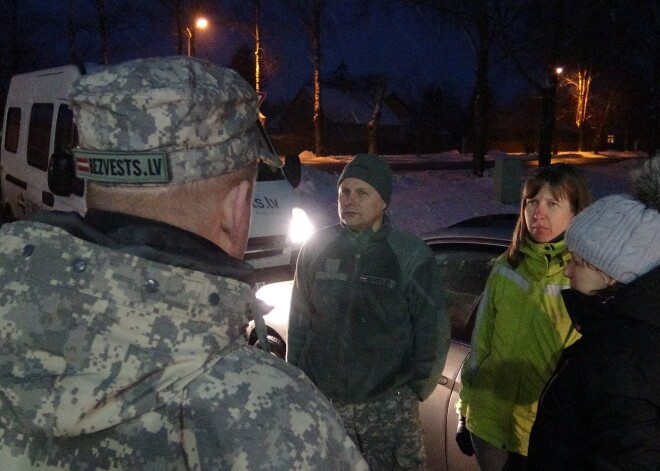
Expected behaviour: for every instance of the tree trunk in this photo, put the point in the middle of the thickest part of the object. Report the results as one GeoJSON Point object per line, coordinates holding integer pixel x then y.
{"type": "Point", "coordinates": [549, 90]}
{"type": "Point", "coordinates": [481, 95]}
{"type": "Point", "coordinates": [318, 106]}
{"type": "Point", "coordinates": [580, 137]}
{"type": "Point", "coordinates": [102, 20]}
{"type": "Point", "coordinates": [547, 124]}
{"type": "Point", "coordinates": [653, 147]}
{"type": "Point", "coordinates": [374, 122]}
{"type": "Point", "coordinates": [257, 46]}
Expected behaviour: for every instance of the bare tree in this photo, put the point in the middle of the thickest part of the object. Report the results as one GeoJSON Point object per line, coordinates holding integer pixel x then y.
{"type": "Point", "coordinates": [310, 14]}
{"type": "Point", "coordinates": [374, 123]}
{"type": "Point", "coordinates": [14, 36]}
{"type": "Point", "coordinates": [638, 26]}
{"type": "Point", "coordinates": [535, 45]}
{"type": "Point", "coordinates": [183, 15]}
{"type": "Point", "coordinates": [483, 22]}
{"type": "Point", "coordinates": [605, 106]}
{"type": "Point", "coordinates": [73, 28]}
{"type": "Point", "coordinates": [257, 45]}
{"type": "Point", "coordinates": [103, 28]}
{"type": "Point", "coordinates": [576, 35]}
{"type": "Point", "coordinates": [580, 86]}
{"type": "Point", "coordinates": [113, 23]}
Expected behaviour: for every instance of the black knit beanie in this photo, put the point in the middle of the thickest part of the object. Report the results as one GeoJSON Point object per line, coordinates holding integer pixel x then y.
{"type": "Point", "coordinates": [371, 169]}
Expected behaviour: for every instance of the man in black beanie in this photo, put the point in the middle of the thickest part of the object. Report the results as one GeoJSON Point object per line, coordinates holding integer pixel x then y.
{"type": "Point", "coordinates": [366, 322]}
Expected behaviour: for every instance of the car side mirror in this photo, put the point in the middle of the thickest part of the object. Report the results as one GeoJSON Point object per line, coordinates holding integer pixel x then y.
{"type": "Point", "coordinates": [292, 170]}
{"type": "Point", "coordinates": [61, 174]}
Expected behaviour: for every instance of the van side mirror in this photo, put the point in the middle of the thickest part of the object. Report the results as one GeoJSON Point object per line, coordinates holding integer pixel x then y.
{"type": "Point", "coordinates": [61, 174]}
{"type": "Point", "coordinates": [292, 170]}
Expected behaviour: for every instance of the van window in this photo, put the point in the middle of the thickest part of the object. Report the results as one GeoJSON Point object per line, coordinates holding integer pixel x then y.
{"type": "Point", "coordinates": [41, 118]}
{"type": "Point", "coordinates": [66, 134]}
{"type": "Point", "coordinates": [13, 129]}
{"type": "Point", "coordinates": [66, 138]}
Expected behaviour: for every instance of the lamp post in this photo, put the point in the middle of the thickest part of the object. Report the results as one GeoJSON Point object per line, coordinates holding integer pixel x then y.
{"type": "Point", "coordinates": [548, 93]}
{"type": "Point", "coordinates": [200, 23]}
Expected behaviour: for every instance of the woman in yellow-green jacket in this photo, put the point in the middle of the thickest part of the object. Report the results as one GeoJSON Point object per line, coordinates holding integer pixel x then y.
{"type": "Point", "coordinates": [522, 325]}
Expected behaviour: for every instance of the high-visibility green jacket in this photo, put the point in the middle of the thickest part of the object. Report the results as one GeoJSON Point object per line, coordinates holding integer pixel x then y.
{"type": "Point", "coordinates": [521, 329]}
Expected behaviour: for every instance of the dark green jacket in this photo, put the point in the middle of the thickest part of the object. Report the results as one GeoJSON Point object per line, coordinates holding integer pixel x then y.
{"type": "Point", "coordinates": [366, 315]}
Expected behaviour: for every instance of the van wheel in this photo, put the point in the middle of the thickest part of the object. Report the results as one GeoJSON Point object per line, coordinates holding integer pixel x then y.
{"type": "Point", "coordinates": [277, 346]}
{"type": "Point", "coordinates": [275, 342]}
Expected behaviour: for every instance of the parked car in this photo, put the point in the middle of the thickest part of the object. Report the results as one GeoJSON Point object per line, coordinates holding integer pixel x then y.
{"type": "Point", "coordinates": [464, 253]}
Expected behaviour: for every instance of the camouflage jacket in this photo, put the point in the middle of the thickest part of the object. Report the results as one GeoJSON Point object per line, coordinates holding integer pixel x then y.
{"type": "Point", "coordinates": [111, 360]}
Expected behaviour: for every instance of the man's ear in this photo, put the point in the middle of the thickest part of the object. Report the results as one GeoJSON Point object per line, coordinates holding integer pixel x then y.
{"type": "Point", "coordinates": [236, 212]}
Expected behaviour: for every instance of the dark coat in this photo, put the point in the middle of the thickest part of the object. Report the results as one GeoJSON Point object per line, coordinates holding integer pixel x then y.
{"type": "Point", "coordinates": [366, 314]}
{"type": "Point", "coordinates": [601, 408]}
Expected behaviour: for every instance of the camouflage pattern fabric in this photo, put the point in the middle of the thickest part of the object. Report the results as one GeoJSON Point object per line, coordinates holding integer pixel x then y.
{"type": "Point", "coordinates": [111, 361]}
{"type": "Point", "coordinates": [388, 432]}
{"type": "Point", "coordinates": [201, 116]}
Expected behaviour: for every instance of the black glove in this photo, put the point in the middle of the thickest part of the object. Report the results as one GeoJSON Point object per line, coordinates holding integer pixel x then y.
{"type": "Point", "coordinates": [463, 438]}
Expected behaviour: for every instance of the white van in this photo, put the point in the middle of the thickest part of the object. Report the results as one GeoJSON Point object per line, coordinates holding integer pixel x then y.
{"type": "Point", "coordinates": [38, 136]}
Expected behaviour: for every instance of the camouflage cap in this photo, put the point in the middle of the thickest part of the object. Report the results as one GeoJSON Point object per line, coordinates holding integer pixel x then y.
{"type": "Point", "coordinates": [165, 120]}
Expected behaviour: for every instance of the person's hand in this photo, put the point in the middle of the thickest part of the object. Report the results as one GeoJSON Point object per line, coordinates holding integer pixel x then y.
{"type": "Point", "coordinates": [463, 438]}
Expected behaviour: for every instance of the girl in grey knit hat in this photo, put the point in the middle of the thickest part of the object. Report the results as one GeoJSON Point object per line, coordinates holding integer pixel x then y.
{"type": "Point", "coordinates": [600, 410]}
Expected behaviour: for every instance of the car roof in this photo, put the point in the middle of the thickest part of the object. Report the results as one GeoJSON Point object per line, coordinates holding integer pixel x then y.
{"type": "Point", "coordinates": [493, 229]}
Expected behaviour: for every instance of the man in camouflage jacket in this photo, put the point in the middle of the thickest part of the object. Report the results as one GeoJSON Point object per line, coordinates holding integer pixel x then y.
{"type": "Point", "coordinates": [122, 333]}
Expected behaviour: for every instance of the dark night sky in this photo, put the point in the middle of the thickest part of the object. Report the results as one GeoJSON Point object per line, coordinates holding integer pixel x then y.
{"type": "Point", "coordinates": [412, 50]}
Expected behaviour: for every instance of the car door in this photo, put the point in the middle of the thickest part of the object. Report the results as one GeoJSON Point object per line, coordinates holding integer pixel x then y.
{"type": "Point", "coordinates": [464, 268]}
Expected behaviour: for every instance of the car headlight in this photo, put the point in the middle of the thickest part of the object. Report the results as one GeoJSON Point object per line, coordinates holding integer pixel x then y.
{"type": "Point", "coordinates": [301, 227]}
{"type": "Point", "coordinates": [277, 295]}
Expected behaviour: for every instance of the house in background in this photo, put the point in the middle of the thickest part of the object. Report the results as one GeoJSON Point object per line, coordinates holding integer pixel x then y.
{"type": "Point", "coordinates": [346, 114]}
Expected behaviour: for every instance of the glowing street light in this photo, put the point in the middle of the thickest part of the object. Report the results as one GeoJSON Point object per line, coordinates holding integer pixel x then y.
{"type": "Point", "coordinates": [200, 23]}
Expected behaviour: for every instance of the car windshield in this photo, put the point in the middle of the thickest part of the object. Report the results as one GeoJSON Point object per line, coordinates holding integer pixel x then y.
{"type": "Point", "coordinates": [464, 269]}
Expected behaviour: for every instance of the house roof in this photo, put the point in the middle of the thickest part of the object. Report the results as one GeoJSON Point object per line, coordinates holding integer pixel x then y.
{"type": "Point", "coordinates": [341, 107]}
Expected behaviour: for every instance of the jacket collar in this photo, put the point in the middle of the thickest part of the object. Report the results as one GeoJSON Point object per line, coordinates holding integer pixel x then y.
{"type": "Point", "coordinates": [369, 236]}
{"type": "Point", "coordinates": [549, 258]}
{"type": "Point", "coordinates": [155, 241]}
{"type": "Point", "coordinates": [638, 300]}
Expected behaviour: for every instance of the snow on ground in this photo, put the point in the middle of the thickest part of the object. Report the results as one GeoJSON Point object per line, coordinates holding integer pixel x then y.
{"type": "Point", "coordinates": [430, 199]}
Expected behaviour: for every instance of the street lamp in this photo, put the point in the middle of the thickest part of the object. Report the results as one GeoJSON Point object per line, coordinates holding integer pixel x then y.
{"type": "Point", "coordinates": [200, 23]}
{"type": "Point", "coordinates": [548, 93]}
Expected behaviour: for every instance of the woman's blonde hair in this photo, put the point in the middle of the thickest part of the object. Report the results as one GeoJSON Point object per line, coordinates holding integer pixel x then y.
{"type": "Point", "coordinates": [564, 181]}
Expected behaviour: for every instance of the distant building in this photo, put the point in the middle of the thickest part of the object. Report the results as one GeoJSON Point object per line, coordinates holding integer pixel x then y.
{"type": "Point", "coordinates": [346, 117]}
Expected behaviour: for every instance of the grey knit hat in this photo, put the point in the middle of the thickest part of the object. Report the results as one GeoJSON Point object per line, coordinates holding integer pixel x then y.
{"type": "Point", "coordinates": [618, 234]}
{"type": "Point", "coordinates": [165, 120]}
{"type": "Point", "coordinates": [372, 169]}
